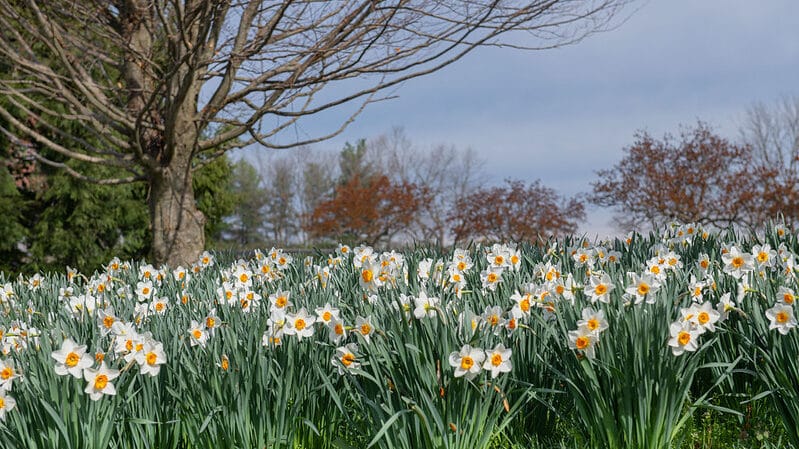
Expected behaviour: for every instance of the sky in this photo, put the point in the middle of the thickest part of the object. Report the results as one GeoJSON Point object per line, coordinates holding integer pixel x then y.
{"type": "Point", "coordinates": [560, 115]}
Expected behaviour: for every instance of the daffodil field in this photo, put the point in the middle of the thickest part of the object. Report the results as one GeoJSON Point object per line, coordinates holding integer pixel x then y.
{"type": "Point", "coordinates": [614, 344]}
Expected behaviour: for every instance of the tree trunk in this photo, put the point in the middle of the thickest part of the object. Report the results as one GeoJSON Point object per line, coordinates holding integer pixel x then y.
{"type": "Point", "coordinates": [178, 226]}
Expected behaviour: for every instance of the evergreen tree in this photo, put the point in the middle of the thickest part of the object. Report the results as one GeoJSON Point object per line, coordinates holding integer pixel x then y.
{"type": "Point", "coordinates": [245, 230]}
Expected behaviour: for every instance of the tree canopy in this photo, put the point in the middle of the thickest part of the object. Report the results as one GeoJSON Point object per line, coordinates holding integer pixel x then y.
{"type": "Point", "coordinates": [698, 177]}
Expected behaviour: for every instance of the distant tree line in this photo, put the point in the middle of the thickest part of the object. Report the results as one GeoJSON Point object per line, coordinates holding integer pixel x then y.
{"type": "Point", "coordinates": [386, 191]}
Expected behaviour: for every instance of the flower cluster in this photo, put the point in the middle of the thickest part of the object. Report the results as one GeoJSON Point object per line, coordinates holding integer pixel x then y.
{"type": "Point", "coordinates": [469, 361]}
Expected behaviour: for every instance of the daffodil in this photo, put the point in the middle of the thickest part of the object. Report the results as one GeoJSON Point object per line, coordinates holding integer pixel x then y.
{"type": "Point", "coordinates": [125, 337]}
{"type": "Point", "coordinates": [346, 358]}
{"type": "Point", "coordinates": [584, 258]}
{"type": "Point", "coordinates": [703, 263]}
{"type": "Point", "coordinates": [497, 360]}
{"type": "Point", "coordinates": [280, 300]}
{"type": "Point", "coordinates": [468, 362]}
{"type": "Point", "coordinates": [7, 294]}
{"type": "Point", "coordinates": [243, 277]}
{"type": "Point", "coordinates": [737, 263]}
{"type": "Point", "coordinates": [7, 403]}
{"type": "Point", "coordinates": [599, 288]}
{"type": "Point", "coordinates": [7, 374]}
{"type": "Point", "coordinates": [369, 278]}
{"type": "Point", "coordinates": [703, 316]}
{"type": "Point", "coordinates": [499, 257]}
{"type": "Point", "coordinates": [365, 328]}
{"type": "Point", "coordinates": [82, 305]}
{"type": "Point", "coordinates": [181, 275]}
{"type": "Point", "coordinates": [106, 319]}
{"type": "Point", "coordinates": [159, 305]}
{"type": "Point", "coordinates": [206, 260]}
{"type": "Point", "coordinates": [522, 306]}
{"type": "Point", "coordinates": [764, 256]}
{"type": "Point", "coordinates": [71, 359]}
{"type": "Point", "coordinates": [151, 357]}
{"type": "Point", "coordinates": [137, 348]}
{"type": "Point", "coordinates": [425, 306]}
{"type": "Point", "coordinates": [492, 317]}
{"type": "Point", "coordinates": [642, 287]}
{"type": "Point", "coordinates": [99, 381]}
{"type": "Point", "coordinates": [361, 255]}
{"type": "Point", "coordinates": [326, 313]}
{"type": "Point", "coordinates": [212, 322]}
{"type": "Point", "coordinates": [725, 306]}
{"type": "Point", "coordinates": [338, 331]}
{"type": "Point", "coordinates": [147, 272]}
{"type": "Point", "coordinates": [145, 290]}
{"type": "Point", "coordinates": [197, 334]}
{"type": "Point", "coordinates": [592, 322]}
{"type": "Point", "coordinates": [300, 324]}
{"type": "Point", "coordinates": [786, 296]}
{"type": "Point", "coordinates": [248, 300]}
{"type": "Point", "coordinates": [583, 340]}
{"type": "Point", "coordinates": [281, 259]}
{"type": "Point", "coordinates": [35, 282]}
{"type": "Point", "coordinates": [684, 337]}
{"type": "Point", "coordinates": [491, 277]}
{"type": "Point", "coordinates": [782, 318]}
{"type": "Point", "coordinates": [228, 293]}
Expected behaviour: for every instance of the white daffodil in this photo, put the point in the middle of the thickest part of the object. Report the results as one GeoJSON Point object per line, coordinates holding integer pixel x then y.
{"type": "Point", "coordinates": [425, 306]}
{"type": "Point", "coordinates": [7, 374]}
{"type": "Point", "coordinates": [468, 362]}
{"type": "Point", "coordinates": [684, 337]}
{"type": "Point", "coordinates": [197, 334]}
{"type": "Point", "coordinates": [71, 359]}
{"type": "Point", "coordinates": [338, 331]}
{"type": "Point", "coordinates": [781, 317]}
{"type": "Point", "coordinates": [346, 358]}
{"type": "Point", "coordinates": [99, 381]}
{"type": "Point", "coordinates": [151, 357]}
{"type": "Point", "coordinates": [584, 341]}
{"type": "Point", "coordinates": [7, 404]}
{"type": "Point", "coordinates": [498, 360]}
{"type": "Point", "coordinates": [327, 313]}
{"type": "Point", "coordinates": [593, 321]}
{"type": "Point", "coordinates": [364, 327]}
{"type": "Point", "coordinates": [300, 324]}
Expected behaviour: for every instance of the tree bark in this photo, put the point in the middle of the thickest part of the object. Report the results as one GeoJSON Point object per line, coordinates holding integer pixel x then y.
{"type": "Point", "coordinates": [178, 226]}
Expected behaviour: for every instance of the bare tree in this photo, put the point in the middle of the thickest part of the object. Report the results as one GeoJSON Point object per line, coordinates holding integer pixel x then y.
{"type": "Point", "coordinates": [448, 174]}
{"type": "Point", "coordinates": [773, 133]}
{"type": "Point", "coordinates": [150, 79]}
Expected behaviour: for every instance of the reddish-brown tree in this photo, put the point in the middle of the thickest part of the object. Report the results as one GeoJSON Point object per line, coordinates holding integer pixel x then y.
{"type": "Point", "coordinates": [367, 211]}
{"type": "Point", "coordinates": [516, 212]}
{"type": "Point", "coordinates": [700, 177]}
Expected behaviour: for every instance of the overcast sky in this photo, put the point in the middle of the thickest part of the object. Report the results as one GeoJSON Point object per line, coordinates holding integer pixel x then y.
{"type": "Point", "coordinates": [559, 115]}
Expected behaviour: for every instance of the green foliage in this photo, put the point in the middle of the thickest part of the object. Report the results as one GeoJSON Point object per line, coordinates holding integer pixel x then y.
{"type": "Point", "coordinates": [12, 230]}
{"type": "Point", "coordinates": [353, 162]}
{"type": "Point", "coordinates": [83, 225]}
{"type": "Point", "coordinates": [215, 199]}
{"type": "Point", "coordinates": [245, 229]}
{"type": "Point", "coordinates": [73, 223]}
